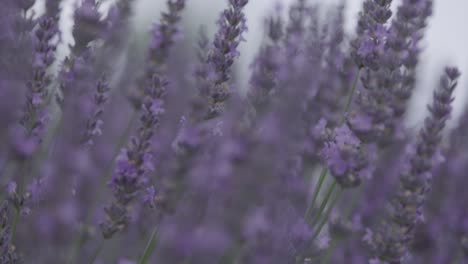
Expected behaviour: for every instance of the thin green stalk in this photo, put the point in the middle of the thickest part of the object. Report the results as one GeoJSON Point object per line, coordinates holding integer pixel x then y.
{"type": "Point", "coordinates": [459, 258]}
{"type": "Point", "coordinates": [327, 214]}
{"type": "Point", "coordinates": [150, 246]}
{"type": "Point", "coordinates": [336, 241]}
{"type": "Point", "coordinates": [323, 175]}
{"type": "Point", "coordinates": [21, 186]}
{"type": "Point", "coordinates": [8, 170]}
{"type": "Point", "coordinates": [324, 202]}
{"type": "Point", "coordinates": [187, 260]}
{"type": "Point", "coordinates": [15, 224]}
{"type": "Point", "coordinates": [96, 252]}
{"type": "Point", "coordinates": [328, 254]}
{"type": "Point", "coordinates": [351, 96]}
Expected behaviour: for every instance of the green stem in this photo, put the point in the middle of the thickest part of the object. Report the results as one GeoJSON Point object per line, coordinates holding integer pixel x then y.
{"type": "Point", "coordinates": [328, 254]}
{"type": "Point", "coordinates": [24, 165]}
{"type": "Point", "coordinates": [96, 252]}
{"type": "Point", "coordinates": [324, 202]}
{"type": "Point", "coordinates": [458, 259]}
{"type": "Point", "coordinates": [351, 96]}
{"type": "Point", "coordinates": [187, 260]}
{"type": "Point", "coordinates": [15, 224]}
{"type": "Point", "coordinates": [336, 241]}
{"type": "Point", "coordinates": [327, 214]}
{"type": "Point", "coordinates": [149, 249]}
{"type": "Point", "coordinates": [7, 171]}
{"type": "Point", "coordinates": [323, 175]}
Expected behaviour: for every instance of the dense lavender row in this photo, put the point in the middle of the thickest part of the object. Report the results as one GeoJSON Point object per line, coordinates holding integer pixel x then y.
{"type": "Point", "coordinates": [168, 163]}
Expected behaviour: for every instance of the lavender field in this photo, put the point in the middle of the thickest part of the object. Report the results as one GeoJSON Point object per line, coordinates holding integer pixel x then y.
{"type": "Point", "coordinates": [132, 146]}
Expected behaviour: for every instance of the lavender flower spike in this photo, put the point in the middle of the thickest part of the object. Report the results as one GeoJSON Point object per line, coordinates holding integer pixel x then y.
{"type": "Point", "coordinates": [371, 32]}
{"type": "Point", "coordinates": [88, 25]}
{"type": "Point", "coordinates": [162, 40]}
{"type": "Point", "coordinates": [265, 66]}
{"type": "Point", "coordinates": [35, 113]}
{"type": "Point", "coordinates": [134, 162]}
{"type": "Point", "coordinates": [231, 26]}
{"type": "Point", "coordinates": [164, 32]}
{"type": "Point", "coordinates": [390, 242]}
{"type": "Point", "coordinates": [93, 125]}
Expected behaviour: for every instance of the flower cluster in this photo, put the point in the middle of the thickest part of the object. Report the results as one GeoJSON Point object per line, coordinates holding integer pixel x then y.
{"type": "Point", "coordinates": [344, 155]}
{"type": "Point", "coordinates": [139, 150]}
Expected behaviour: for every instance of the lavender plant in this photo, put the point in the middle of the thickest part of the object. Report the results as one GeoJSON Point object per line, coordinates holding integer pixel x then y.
{"type": "Point", "coordinates": [147, 161]}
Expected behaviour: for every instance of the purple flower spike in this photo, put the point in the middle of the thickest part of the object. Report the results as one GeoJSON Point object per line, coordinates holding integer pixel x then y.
{"type": "Point", "coordinates": [35, 114]}
{"type": "Point", "coordinates": [223, 53]}
{"type": "Point", "coordinates": [405, 212]}
{"type": "Point", "coordinates": [371, 33]}
{"type": "Point", "coordinates": [164, 33]}
{"type": "Point", "coordinates": [135, 161]}
{"type": "Point", "coordinates": [88, 25]}
{"type": "Point", "coordinates": [94, 123]}
{"type": "Point", "coordinates": [265, 66]}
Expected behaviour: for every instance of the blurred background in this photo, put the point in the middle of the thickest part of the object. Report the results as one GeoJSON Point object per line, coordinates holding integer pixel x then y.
{"type": "Point", "coordinates": [445, 43]}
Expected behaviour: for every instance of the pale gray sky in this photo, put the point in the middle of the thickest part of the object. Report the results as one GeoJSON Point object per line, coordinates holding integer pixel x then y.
{"type": "Point", "coordinates": [446, 40]}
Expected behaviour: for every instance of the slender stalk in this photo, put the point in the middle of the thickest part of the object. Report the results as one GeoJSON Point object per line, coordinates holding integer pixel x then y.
{"type": "Point", "coordinates": [187, 260]}
{"type": "Point", "coordinates": [149, 249]}
{"type": "Point", "coordinates": [328, 254]}
{"type": "Point", "coordinates": [351, 95]}
{"type": "Point", "coordinates": [96, 252]}
{"type": "Point", "coordinates": [323, 174]}
{"type": "Point", "coordinates": [336, 241]}
{"type": "Point", "coordinates": [327, 214]}
{"type": "Point", "coordinates": [14, 226]}
{"type": "Point", "coordinates": [8, 170]}
{"type": "Point", "coordinates": [458, 258]}
{"type": "Point", "coordinates": [21, 185]}
{"type": "Point", "coordinates": [324, 202]}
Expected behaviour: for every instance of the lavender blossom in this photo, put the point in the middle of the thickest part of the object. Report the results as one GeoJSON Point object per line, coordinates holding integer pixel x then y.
{"type": "Point", "coordinates": [135, 161]}
{"type": "Point", "coordinates": [88, 25]}
{"type": "Point", "coordinates": [202, 174]}
{"type": "Point", "coordinates": [265, 66]}
{"type": "Point", "coordinates": [371, 32]}
{"type": "Point", "coordinates": [344, 155]}
{"type": "Point", "coordinates": [224, 51]}
{"type": "Point", "coordinates": [35, 114]}
{"type": "Point", "coordinates": [391, 241]}
{"type": "Point", "coordinates": [164, 33]}
{"type": "Point", "coordinates": [413, 16]}
{"type": "Point", "coordinates": [94, 123]}
{"type": "Point", "coordinates": [162, 40]}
